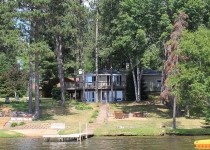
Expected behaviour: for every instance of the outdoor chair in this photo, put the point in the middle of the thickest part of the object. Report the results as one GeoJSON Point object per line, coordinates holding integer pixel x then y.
{"type": "Point", "coordinates": [118, 115]}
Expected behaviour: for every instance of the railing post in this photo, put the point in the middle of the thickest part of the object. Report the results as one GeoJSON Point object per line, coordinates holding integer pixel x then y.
{"type": "Point", "coordinates": [80, 137]}
{"type": "Point", "coordinates": [86, 132]}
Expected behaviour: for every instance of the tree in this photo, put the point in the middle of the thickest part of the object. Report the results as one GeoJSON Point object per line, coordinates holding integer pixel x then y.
{"type": "Point", "coordinates": [170, 66]}
{"type": "Point", "coordinates": [9, 46]}
{"type": "Point", "coordinates": [192, 80]}
{"type": "Point", "coordinates": [62, 26]}
{"type": "Point", "coordinates": [33, 16]}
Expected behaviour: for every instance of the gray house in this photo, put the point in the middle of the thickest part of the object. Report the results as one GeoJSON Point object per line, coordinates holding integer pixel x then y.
{"type": "Point", "coordinates": [111, 85]}
{"type": "Point", "coordinates": [152, 80]}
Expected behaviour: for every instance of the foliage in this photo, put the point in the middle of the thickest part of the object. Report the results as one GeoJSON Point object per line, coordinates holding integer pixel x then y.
{"type": "Point", "coordinates": [206, 111]}
{"type": "Point", "coordinates": [56, 93]}
{"type": "Point", "coordinates": [12, 78]}
{"type": "Point", "coordinates": [191, 84]}
{"type": "Point", "coordinates": [81, 105]}
{"type": "Point", "coordinates": [22, 123]}
{"type": "Point", "coordinates": [130, 95]}
{"type": "Point", "coordinates": [14, 124]}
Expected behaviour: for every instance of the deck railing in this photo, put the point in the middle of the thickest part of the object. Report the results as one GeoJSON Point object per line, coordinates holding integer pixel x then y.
{"type": "Point", "coordinates": [91, 85]}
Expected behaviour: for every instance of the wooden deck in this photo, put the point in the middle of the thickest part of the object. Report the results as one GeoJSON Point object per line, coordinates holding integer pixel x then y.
{"type": "Point", "coordinates": [66, 138]}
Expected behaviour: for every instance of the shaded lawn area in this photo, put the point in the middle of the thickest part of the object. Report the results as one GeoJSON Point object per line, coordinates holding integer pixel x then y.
{"type": "Point", "coordinates": [158, 122]}
{"type": "Point", "coordinates": [52, 112]}
{"type": "Point", "coordinates": [154, 110]}
{"type": "Point", "coordinates": [74, 114]}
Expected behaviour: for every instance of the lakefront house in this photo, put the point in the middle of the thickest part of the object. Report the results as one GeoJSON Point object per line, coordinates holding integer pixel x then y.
{"type": "Point", "coordinates": [111, 85]}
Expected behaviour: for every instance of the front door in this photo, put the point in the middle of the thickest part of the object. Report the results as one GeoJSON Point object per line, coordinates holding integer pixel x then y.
{"type": "Point", "coordinates": [105, 96]}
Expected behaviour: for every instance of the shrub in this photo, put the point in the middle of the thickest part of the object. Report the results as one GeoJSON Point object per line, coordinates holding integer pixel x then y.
{"type": "Point", "coordinates": [56, 93]}
{"type": "Point", "coordinates": [14, 124]}
{"type": "Point", "coordinates": [22, 123]}
{"type": "Point", "coordinates": [81, 105]}
{"type": "Point", "coordinates": [91, 121]}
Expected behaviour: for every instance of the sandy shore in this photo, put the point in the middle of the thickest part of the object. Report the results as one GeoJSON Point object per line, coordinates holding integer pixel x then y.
{"type": "Point", "coordinates": [35, 132]}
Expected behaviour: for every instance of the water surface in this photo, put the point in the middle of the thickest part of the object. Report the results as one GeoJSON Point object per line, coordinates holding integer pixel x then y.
{"type": "Point", "coordinates": [104, 143]}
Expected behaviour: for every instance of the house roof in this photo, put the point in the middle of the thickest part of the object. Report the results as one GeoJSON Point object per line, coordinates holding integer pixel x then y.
{"type": "Point", "coordinates": [107, 72]}
{"type": "Point", "coordinates": [151, 72]}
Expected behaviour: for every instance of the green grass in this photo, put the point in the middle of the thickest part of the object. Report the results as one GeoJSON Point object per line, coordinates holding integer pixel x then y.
{"type": "Point", "coordinates": [75, 113]}
{"type": "Point", "coordinates": [191, 132]}
{"type": "Point", "coordinates": [9, 134]}
{"type": "Point", "coordinates": [158, 111]}
{"type": "Point", "coordinates": [80, 105]}
{"type": "Point", "coordinates": [135, 128]}
{"type": "Point", "coordinates": [93, 116]}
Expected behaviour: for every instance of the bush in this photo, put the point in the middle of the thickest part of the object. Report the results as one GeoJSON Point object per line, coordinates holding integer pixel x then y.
{"type": "Point", "coordinates": [14, 124]}
{"type": "Point", "coordinates": [81, 105]}
{"type": "Point", "coordinates": [22, 123]}
{"type": "Point", "coordinates": [56, 93]}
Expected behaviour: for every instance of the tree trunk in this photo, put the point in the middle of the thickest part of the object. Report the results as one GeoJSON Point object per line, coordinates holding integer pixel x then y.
{"type": "Point", "coordinates": [59, 56]}
{"type": "Point", "coordinates": [188, 109]}
{"type": "Point", "coordinates": [30, 89]}
{"type": "Point", "coordinates": [174, 112]}
{"type": "Point", "coordinates": [82, 55]}
{"type": "Point", "coordinates": [37, 95]}
{"type": "Point", "coordinates": [96, 54]}
{"type": "Point", "coordinates": [140, 78]}
{"type": "Point", "coordinates": [138, 85]}
{"type": "Point", "coordinates": [134, 79]}
{"type": "Point", "coordinates": [111, 82]}
{"type": "Point", "coordinates": [83, 82]}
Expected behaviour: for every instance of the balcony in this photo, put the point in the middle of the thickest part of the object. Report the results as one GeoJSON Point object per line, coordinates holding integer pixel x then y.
{"type": "Point", "coordinates": [91, 85]}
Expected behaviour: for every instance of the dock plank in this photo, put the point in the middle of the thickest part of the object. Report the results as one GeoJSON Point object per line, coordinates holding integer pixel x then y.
{"type": "Point", "coordinates": [67, 137]}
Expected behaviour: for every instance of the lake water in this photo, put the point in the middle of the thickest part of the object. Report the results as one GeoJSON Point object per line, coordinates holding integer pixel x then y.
{"type": "Point", "coordinates": [105, 143]}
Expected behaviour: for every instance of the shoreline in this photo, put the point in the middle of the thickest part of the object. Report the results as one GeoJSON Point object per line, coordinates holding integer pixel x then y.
{"type": "Point", "coordinates": [38, 133]}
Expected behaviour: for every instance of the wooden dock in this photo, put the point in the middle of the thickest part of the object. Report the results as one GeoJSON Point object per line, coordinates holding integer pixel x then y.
{"type": "Point", "coordinates": [66, 138]}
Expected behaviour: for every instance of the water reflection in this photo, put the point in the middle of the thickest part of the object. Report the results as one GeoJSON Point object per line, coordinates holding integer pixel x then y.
{"type": "Point", "coordinates": [104, 143]}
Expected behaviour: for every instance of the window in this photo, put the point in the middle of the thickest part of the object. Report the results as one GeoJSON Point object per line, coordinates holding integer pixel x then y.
{"type": "Point", "coordinates": [158, 81]}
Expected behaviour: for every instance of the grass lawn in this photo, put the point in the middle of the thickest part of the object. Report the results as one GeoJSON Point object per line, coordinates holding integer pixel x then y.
{"type": "Point", "coordinates": [73, 114]}
{"type": "Point", "coordinates": [9, 134]}
{"type": "Point", "coordinates": [158, 122]}
{"type": "Point", "coordinates": [130, 127]}
{"type": "Point", "coordinates": [76, 114]}
{"type": "Point", "coordinates": [191, 132]}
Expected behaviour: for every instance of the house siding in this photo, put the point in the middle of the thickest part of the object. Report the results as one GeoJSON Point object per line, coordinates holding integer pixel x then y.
{"type": "Point", "coordinates": [152, 82]}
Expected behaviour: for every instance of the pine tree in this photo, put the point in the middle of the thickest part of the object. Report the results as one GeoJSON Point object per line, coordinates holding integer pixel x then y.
{"type": "Point", "coordinates": [33, 15]}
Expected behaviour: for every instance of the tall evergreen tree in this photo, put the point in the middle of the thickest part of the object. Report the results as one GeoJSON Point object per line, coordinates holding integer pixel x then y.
{"type": "Point", "coordinates": [33, 15]}
{"type": "Point", "coordinates": [9, 46]}
{"type": "Point", "coordinates": [62, 27]}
